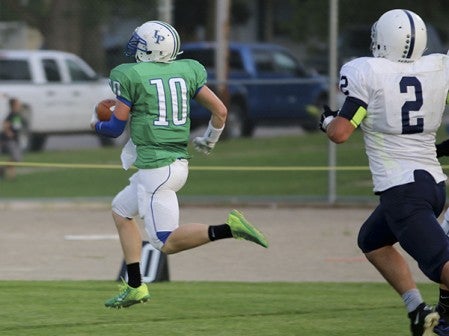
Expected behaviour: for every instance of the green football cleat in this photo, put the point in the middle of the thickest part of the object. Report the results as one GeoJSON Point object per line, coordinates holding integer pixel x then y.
{"type": "Point", "coordinates": [128, 296]}
{"type": "Point", "coordinates": [242, 229]}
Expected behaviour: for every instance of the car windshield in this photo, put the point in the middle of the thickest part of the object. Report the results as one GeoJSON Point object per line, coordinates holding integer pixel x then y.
{"type": "Point", "coordinates": [269, 61]}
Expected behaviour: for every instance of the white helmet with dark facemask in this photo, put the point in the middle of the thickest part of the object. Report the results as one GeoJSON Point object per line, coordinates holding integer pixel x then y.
{"type": "Point", "coordinates": [399, 35]}
{"type": "Point", "coordinates": [154, 41]}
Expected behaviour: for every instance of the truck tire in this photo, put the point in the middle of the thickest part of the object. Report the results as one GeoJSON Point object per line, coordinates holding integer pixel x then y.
{"type": "Point", "coordinates": [36, 142]}
{"type": "Point", "coordinates": [29, 141]}
{"type": "Point", "coordinates": [312, 122]}
{"type": "Point", "coordinates": [237, 123]}
{"type": "Point", "coordinates": [25, 137]}
{"type": "Point", "coordinates": [310, 125]}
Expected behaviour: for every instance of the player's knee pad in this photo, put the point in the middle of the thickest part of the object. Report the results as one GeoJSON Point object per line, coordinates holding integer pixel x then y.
{"type": "Point", "coordinates": [365, 244]}
{"type": "Point", "coordinates": [427, 244]}
{"type": "Point", "coordinates": [158, 239]}
{"type": "Point", "coordinates": [374, 235]}
{"type": "Point", "coordinates": [124, 206]}
{"type": "Point", "coordinates": [125, 202]}
{"type": "Point", "coordinates": [433, 268]}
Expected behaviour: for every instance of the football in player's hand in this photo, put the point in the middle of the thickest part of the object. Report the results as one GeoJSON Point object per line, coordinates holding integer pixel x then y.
{"type": "Point", "coordinates": [105, 108]}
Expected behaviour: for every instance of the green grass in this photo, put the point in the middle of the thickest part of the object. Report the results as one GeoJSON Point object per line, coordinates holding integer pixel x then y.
{"type": "Point", "coordinates": [291, 151]}
{"type": "Point", "coordinates": [304, 151]}
{"type": "Point", "coordinates": [46, 308]}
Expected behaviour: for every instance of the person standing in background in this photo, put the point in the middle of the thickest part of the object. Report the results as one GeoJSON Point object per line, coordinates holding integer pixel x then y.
{"type": "Point", "coordinates": [11, 128]}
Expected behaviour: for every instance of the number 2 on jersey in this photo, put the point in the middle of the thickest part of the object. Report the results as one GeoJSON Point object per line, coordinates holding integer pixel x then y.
{"type": "Point", "coordinates": [411, 105]}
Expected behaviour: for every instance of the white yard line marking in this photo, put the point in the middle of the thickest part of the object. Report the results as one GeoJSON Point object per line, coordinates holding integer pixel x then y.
{"type": "Point", "coordinates": [92, 237]}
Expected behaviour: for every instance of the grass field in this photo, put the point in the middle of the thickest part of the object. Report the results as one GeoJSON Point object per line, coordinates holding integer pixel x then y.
{"type": "Point", "coordinates": [36, 308]}
{"type": "Point", "coordinates": [304, 151]}
{"type": "Point", "coordinates": [294, 166]}
{"type": "Point", "coordinates": [47, 308]}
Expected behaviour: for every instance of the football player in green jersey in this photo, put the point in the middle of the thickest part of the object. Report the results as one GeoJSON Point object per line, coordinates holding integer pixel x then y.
{"type": "Point", "coordinates": [154, 94]}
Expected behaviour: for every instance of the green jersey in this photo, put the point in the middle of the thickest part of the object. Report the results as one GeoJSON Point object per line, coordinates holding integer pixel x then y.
{"type": "Point", "coordinates": [159, 97]}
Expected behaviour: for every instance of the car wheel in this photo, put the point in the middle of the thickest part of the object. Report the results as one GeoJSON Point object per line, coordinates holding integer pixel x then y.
{"type": "Point", "coordinates": [25, 138]}
{"type": "Point", "coordinates": [312, 122]}
{"type": "Point", "coordinates": [30, 142]}
{"type": "Point", "coordinates": [237, 123]}
{"type": "Point", "coordinates": [36, 142]}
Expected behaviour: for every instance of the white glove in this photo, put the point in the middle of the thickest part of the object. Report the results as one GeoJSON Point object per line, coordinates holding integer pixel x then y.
{"type": "Point", "coordinates": [207, 142]}
{"type": "Point", "coordinates": [202, 145]}
{"type": "Point", "coordinates": [94, 119]}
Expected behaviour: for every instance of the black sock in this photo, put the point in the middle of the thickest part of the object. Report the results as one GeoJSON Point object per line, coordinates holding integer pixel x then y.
{"type": "Point", "coordinates": [219, 232]}
{"type": "Point", "coordinates": [134, 277]}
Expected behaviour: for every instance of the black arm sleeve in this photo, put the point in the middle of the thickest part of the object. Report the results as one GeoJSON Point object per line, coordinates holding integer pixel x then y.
{"type": "Point", "coordinates": [354, 110]}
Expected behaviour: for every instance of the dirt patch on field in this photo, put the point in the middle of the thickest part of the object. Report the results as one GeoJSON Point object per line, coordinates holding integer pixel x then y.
{"type": "Point", "coordinates": [79, 242]}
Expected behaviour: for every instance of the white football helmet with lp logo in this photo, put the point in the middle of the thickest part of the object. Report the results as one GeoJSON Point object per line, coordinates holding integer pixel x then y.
{"type": "Point", "coordinates": [154, 41]}
{"type": "Point", "coordinates": [399, 35]}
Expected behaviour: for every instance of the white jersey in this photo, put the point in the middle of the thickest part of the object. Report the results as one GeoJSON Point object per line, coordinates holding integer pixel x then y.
{"type": "Point", "coordinates": [405, 103]}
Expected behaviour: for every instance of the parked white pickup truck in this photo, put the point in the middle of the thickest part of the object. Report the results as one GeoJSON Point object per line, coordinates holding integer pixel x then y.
{"type": "Point", "coordinates": [58, 89]}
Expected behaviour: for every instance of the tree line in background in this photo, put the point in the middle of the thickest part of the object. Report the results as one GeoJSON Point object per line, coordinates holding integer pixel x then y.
{"type": "Point", "coordinates": [78, 25]}
{"type": "Point", "coordinates": [307, 13]}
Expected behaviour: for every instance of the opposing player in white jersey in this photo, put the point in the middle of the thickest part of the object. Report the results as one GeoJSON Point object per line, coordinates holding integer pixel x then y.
{"type": "Point", "coordinates": [397, 98]}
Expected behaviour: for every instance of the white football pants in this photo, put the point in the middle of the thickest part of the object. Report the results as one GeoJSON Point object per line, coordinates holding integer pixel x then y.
{"type": "Point", "coordinates": [151, 193]}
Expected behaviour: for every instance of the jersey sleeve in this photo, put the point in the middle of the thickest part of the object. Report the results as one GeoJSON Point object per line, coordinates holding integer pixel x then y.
{"type": "Point", "coordinates": [120, 85]}
{"type": "Point", "coordinates": [353, 85]}
{"type": "Point", "coordinates": [353, 81]}
{"type": "Point", "coordinates": [199, 79]}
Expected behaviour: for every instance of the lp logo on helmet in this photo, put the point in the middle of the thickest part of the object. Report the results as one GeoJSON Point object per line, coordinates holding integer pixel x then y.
{"type": "Point", "coordinates": [158, 37]}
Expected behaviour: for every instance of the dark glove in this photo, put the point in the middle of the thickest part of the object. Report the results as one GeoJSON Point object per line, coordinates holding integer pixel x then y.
{"type": "Point", "coordinates": [326, 117]}
{"type": "Point", "coordinates": [442, 148]}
